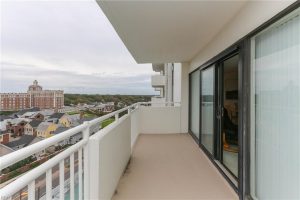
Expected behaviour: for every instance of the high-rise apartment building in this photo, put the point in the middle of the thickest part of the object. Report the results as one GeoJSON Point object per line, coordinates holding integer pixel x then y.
{"type": "Point", "coordinates": [35, 97]}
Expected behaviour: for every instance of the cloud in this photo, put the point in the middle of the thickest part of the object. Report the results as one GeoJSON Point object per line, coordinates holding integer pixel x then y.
{"type": "Point", "coordinates": [66, 45]}
{"type": "Point", "coordinates": [21, 77]}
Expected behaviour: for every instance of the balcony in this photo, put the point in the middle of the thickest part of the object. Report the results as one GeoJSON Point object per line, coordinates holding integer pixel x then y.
{"type": "Point", "coordinates": [158, 67]}
{"type": "Point", "coordinates": [158, 80]}
{"type": "Point", "coordinates": [143, 154]}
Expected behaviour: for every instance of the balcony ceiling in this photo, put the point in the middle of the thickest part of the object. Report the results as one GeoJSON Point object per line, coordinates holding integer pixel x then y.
{"type": "Point", "coordinates": [164, 31]}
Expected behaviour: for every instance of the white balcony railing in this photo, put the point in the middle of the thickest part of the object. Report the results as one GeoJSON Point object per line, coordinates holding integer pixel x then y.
{"type": "Point", "coordinates": [101, 156]}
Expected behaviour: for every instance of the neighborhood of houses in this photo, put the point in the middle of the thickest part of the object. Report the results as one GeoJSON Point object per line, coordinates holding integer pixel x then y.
{"type": "Point", "coordinates": [29, 126]}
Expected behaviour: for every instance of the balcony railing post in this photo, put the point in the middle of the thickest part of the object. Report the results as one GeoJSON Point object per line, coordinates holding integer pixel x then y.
{"type": "Point", "coordinates": [86, 135]}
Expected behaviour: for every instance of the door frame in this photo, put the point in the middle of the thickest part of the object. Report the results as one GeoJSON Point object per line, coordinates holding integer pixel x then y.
{"type": "Point", "coordinates": [216, 62]}
{"type": "Point", "coordinates": [220, 104]}
{"type": "Point", "coordinates": [209, 154]}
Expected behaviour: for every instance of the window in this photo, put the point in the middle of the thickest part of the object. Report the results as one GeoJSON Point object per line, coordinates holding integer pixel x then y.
{"type": "Point", "coordinates": [275, 114]}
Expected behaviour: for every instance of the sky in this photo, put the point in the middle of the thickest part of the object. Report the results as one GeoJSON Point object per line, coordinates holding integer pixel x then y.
{"type": "Point", "coordinates": [68, 45]}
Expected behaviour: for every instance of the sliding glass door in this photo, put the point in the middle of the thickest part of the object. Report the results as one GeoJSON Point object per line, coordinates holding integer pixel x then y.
{"type": "Point", "coordinates": [207, 108]}
{"type": "Point", "coordinates": [194, 103]}
{"type": "Point", "coordinates": [275, 104]}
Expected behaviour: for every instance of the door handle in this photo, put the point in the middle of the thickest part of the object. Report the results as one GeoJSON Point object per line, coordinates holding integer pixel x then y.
{"type": "Point", "coordinates": [222, 111]}
{"type": "Point", "coordinates": [219, 112]}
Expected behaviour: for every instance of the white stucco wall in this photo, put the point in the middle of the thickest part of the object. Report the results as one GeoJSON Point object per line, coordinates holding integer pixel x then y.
{"type": "Point", "coordinates": [251, 16]}
{"type": "Point", "coordinates": [184, 98]}
{"type": "Point", "coordinates": [160, 120]}
{"type": "Point", "coordinates": [110, 151]}
{"type": "Point", "coordinates": [135, 126]}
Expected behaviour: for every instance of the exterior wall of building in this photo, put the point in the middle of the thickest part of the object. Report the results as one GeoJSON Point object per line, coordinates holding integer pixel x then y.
{"type": "Point", "coordinates": [47, 99]}
{"type": "Point", "coordinates": [35, 97]}
{"type": "Point", "coordinates": [14, 101]}
{"type": "Point", "coordinates": [16, 129]}
{"type": "Point", "coordinates": [28, 130]}
{"type": "Point", "coordinates": [171, 88]}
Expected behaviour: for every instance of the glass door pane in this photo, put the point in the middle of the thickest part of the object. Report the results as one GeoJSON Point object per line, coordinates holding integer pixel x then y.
{"type": "Point", "coordinates": [207, 108]}
{"type": "Point", "coordinates": [275, 104]}
{"type": "Point", "coordinates": [229, 95]}
{"type": "Point", "coordinates": [195, 103]}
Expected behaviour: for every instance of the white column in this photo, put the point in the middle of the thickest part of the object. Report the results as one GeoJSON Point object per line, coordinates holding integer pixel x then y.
{"type": "Point", "coordinates": [184, 97]}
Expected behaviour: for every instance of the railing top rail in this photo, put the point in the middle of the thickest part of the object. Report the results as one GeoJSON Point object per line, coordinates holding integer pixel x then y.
{"type": "Point", "coordinates": [160, 103]}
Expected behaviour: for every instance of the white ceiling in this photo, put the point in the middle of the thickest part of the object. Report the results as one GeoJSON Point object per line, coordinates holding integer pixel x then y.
{"type": "Point", "coordinates": [168, 31]}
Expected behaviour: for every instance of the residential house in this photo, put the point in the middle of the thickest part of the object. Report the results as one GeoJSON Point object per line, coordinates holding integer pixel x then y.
{"type": "Point", "coordinates": [60, 118]}
{"type": "Point", "coordinates": [74, 120]}
{"type": "Point", "coordinates": [30, 128]}
{"type": "Point", "coordinates": [16, 126]}
{"type": "Point", "coordinates": [45, 129]}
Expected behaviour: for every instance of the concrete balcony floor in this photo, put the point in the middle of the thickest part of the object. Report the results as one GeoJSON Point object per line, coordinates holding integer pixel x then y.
{"type": "Point", "coordinates": [171, 166]}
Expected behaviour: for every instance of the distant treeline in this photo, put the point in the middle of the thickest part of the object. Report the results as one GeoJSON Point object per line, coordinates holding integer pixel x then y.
{"type": "Point", "coordinates": [92, 98]}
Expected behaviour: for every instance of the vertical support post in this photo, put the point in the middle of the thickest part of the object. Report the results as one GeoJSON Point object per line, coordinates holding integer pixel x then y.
{"type": "Point", "coordinates": [49, 184]}
{"type": "Point", "coordinates": [72, 178]}
{"type": "Point", "coordinates": [86, 135]}
{"type": "Point", "coordinates": [117, 117]}
{"type": "Point", "coordinates": [62, 180]}
{"type": "Point", "coordinates": [128, 111]}
{"type": "Point", "coordinates": [31, 190]}
{"type": "Point", "coordinates": [80, 172]}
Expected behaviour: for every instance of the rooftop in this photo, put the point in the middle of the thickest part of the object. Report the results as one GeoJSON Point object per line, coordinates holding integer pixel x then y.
{"type": "Point", "coordinates": [35, 123]}
{"type": "Point", "coordinates": [24, 140]}
{"type": "Point", "coordinates": [43, 126]}
{"type": "Point", "coordinates": [56, 115]}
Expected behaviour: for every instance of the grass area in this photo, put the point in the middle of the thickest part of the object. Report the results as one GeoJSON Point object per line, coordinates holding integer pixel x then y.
{"type": "Point", "coordinates": [89, 115]}
{"type": "Point", "coordinates": [107, 122]}
{"type": "Point", "coordinates": [7, 112]}
{"type": "Point", "coordinates": [73, 113]}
